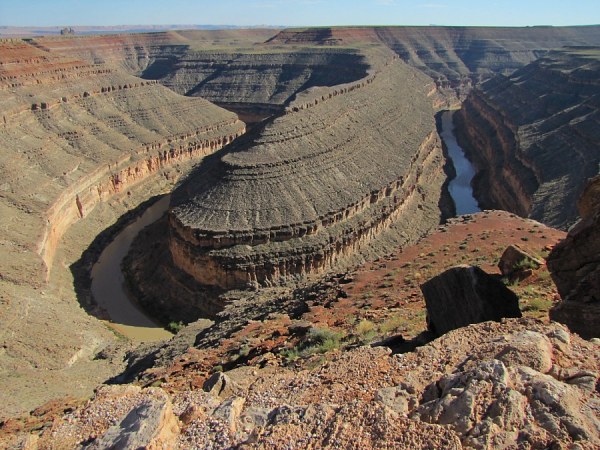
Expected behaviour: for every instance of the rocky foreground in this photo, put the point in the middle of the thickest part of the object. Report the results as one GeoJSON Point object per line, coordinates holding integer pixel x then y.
{"type": "Point", "coordinates": [296, 371]}
{"type": "Point", "coordinates": [516, 384]}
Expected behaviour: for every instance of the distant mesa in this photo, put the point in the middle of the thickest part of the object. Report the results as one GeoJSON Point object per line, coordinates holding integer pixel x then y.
{"type": "Point", "coordinates": [314, 186]}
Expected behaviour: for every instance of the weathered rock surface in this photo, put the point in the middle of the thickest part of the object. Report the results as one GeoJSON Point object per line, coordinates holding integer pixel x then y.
{"type": "Point", "coordinates": [149, 424]}
{"type": "Point", "coordinates": [77, 141]}
{"type": "Point", "coordinates": [575, 267]}
{"type": "Point", "coordinates": [464, 295]}
{"type": "Point", "coordinates": [516, 384]}
{"type": "Point", "coordinates": [533, 136]}
{"type": "Point", "coordinates": [313, 186]}
{"type": "Point", "coordinates": [260, 83]}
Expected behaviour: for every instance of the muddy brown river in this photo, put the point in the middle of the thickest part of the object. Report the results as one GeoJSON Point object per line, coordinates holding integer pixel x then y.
{"type": "Point", "coordinates": [108, 285]}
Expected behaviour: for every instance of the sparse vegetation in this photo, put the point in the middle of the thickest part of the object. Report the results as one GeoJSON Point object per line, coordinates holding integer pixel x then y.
{"type": "Point", "coordinates": [526, 264]}
{"type": "Point", "coordinates": [391, 324]}
{"type": "Point", "coordinates": [537, 304]}
{"type": "Point", "coordinates": [175, 327]}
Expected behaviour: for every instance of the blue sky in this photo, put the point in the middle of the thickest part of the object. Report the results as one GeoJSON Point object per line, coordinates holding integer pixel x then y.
{"type": "Point", "coordinates": [299, 12]}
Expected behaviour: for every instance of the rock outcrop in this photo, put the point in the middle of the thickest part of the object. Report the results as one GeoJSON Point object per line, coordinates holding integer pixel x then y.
{"type": "Point", "coordinates": [456, 57]}
{"type": "Point", "coordinates": [520, 384]}
{"type": "Point", "coordinates": [464, 295]}
{"type": "Point", "coordinates": [515, 260]}
{"type": "Point", "coordinates": [76, 138]}
{"type": "Point", "coordinates": [148, 423]}
{"type": "Point", "coordinates": [575, 267]}
{"type": "Point", "coordinates": [313, 186]}
{"type": "Point", "coordinates": [532, 136]}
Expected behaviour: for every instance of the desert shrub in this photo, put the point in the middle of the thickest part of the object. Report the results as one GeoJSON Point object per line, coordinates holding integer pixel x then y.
{"type": "Point", "coordinates": [525, 264]}
{"type": "Point", "coordinates": [175, 327]}
{"type": "Point", "coordinates": [290, 354]}
{"type": "Point", "coordinates": [391, 324]}
{"type": "Point", "coordinates": [364, 326]}
{"type": "Point", "coordinates": [322, 340]}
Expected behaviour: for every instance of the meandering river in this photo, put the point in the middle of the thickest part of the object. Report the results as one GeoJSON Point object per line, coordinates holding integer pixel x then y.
{"type": "Point", "coordinates": [108, 284]}
{"type": "Point", "coordinates": [459, 187]}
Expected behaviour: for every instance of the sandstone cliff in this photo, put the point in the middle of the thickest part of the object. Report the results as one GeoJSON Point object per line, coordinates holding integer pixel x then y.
{"type": "Point", "coordinates": [75, 136]}
{"type": "Point", "coordinates": [533, 136]}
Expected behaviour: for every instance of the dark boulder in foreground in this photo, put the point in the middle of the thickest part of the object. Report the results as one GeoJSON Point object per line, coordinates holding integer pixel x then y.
{"type": "Point", "coordinates": [464, 295]}
{"type": "Point", "coordinates": [575, 267]}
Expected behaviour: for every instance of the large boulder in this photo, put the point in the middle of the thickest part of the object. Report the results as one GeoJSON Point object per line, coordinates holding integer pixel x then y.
{"type": "Point", "coordinates": [575, 267]}
{"type": "Point", "coordinates": [515, 260]}
{"type": "Point", "coordinates": [464, 295]}
{"type": "Point", "coordinates": [148, 423]}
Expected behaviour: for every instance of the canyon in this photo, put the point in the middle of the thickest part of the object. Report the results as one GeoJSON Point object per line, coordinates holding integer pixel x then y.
{"type": "Point", "coordinates": [533, 136]}
{"type": "Point", "coordinates": [291, 157]}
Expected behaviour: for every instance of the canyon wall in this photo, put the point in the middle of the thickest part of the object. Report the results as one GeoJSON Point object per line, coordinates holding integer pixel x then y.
{"type": "Point", "coordinates": [456, 57]}
{"type": "Point", "coordinates": [313, 186]}
{"type": "Point", "coordinates": [76, 138]}
{"type": "Point", "coordinates": [259, 71]}
{"type": "Point", "coordinates": [533, 136]}
{"type": "Point", "coordinates": [84, 132]}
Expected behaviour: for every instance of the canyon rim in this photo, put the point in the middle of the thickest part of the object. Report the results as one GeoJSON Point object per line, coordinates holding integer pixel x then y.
{"type": "Point", "coordinates": [305, 187]}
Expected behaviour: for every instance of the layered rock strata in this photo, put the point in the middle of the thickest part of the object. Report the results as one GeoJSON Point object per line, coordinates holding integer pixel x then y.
{"type": "Point", "coordinates": [231, 68]}
{"type": "Point", "coordinates": [78, 140]}
{"type": "Point", "coordinates": [261, 82]}
{"type": "Point", "coordinates": [533, 136]}
{"type": "Point", "coordinates": [313, 186]}
{"type": "Point", "coordinates": [456, 57]}
{"type": "Point", "coordinates": [575, 267]}
{"type": "Point", "coordinates": [91, 132]}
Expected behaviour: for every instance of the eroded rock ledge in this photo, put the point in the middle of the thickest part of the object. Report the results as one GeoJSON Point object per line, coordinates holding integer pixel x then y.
{"type": "Point", "coordinates": [313, 186]}
{"type": "Point", "coordinates": [533, 136]}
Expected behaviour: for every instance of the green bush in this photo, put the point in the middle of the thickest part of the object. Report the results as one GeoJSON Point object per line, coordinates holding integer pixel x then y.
{"type": "Point", "coordinates": [290, 354]}
{"type": "Point", "coordinates": [175, 327]}
{"type": "Point", "coordinates": [322, 340]}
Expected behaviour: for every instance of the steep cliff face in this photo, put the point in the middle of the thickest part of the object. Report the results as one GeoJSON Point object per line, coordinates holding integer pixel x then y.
{"type": "Point", "coordinates": [533, 136]}
{"type": "Point", "coordinates": [92, 131]}
{"type": "Point", "coordinates": [74, 136]}
{"type": "Point", "coordinates": [314, 186]}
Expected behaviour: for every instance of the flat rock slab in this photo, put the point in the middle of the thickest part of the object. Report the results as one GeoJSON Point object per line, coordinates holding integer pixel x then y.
{"type": "Point", "coordinates": [464, 295]}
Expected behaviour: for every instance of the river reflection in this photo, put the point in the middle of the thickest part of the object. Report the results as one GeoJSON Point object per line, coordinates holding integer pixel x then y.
{"type": "Point", "coordinates": [460, 187]}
